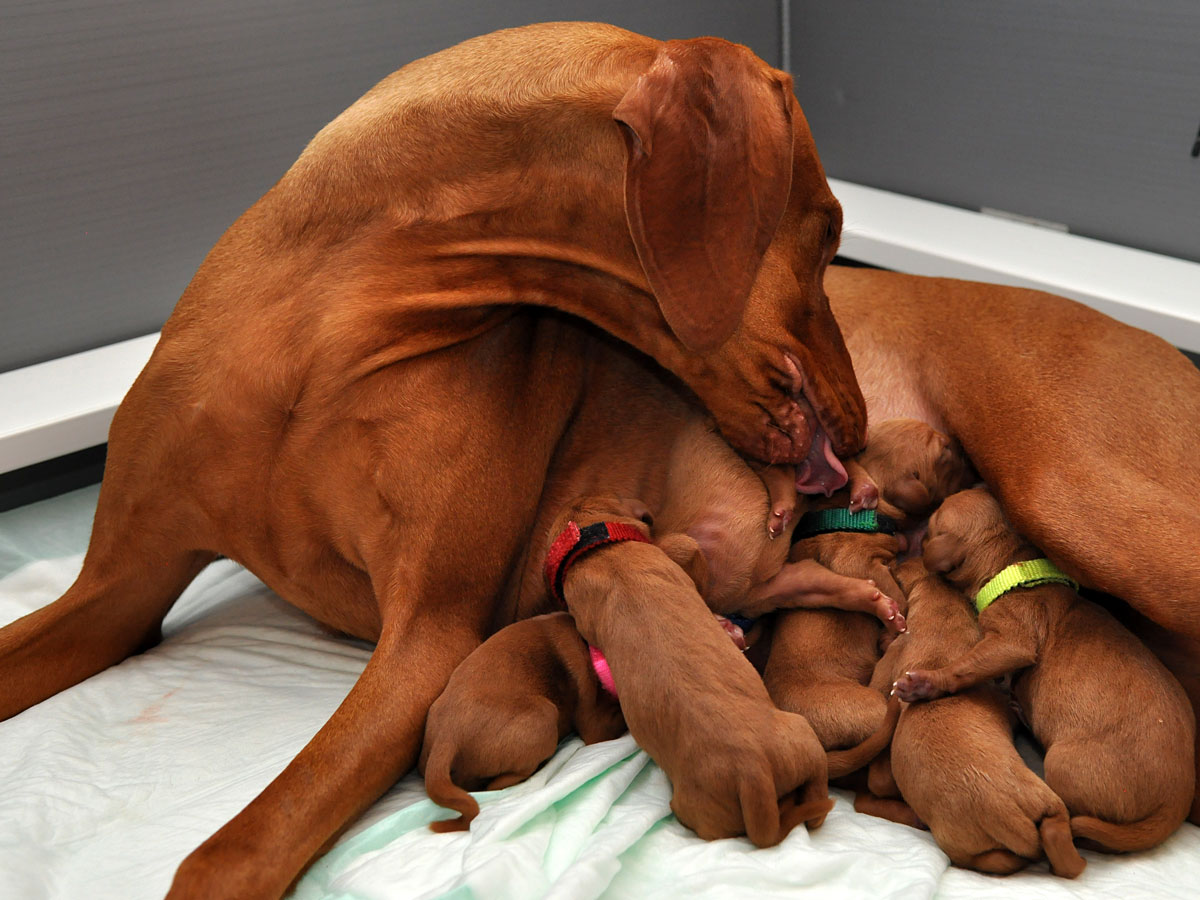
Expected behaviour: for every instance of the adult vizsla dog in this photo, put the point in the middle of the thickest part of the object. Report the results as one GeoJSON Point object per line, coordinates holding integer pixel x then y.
{"type": "Point", "coordinates": [416, 341]}
{"type": "Point", "coordinates": [953, 761]}
{"type": "Point", "coordinates": [1117, 729]}
{"type": "Point", "coordinates": [410, 350]}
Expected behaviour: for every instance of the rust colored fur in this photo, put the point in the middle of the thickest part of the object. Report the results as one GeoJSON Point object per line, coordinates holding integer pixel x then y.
{"type": "Point", "coordinates": [506, 708]}
{"type": "Point", "coordinates": [1116, 409]}
{"type": "Point", "coordinates": [1117, 728]}
{"type": "Point", "coordinates": [391, 365]}
{"type": "Point", "coordinates": [477, 295]}
{"type": "Point", "coordinates": [953, 761]}
{"type": "Point", "coordinates": [821, 661]}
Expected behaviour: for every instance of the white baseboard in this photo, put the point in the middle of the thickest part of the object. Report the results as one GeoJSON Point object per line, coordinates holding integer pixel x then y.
{"type": "Point", "coordinates": [65, 405]}
{"type": "Point", "coordinates": [1158, 293]}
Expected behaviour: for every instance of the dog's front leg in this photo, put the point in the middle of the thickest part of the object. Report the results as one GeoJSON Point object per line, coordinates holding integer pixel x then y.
{"type": "Point", "coordinates": [995, 655]}
{"type": "Point", "coordinates": [737, 765]}
{"type": "Point", "coordinates": [807, 584]}
{"type": "Point", "coordinates": [370, 741]}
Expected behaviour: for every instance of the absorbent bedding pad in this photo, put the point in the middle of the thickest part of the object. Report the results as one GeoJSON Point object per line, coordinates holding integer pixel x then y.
{"type": "Point", "coordinates": [105, 787]}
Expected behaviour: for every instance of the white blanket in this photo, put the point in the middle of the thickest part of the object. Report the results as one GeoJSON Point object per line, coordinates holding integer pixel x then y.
{"type": "Point", "coordinates": [105, 787]}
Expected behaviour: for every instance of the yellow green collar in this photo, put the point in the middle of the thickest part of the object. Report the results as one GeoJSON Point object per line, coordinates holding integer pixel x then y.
{"type": "Point", "coordinates": [1027, 574]}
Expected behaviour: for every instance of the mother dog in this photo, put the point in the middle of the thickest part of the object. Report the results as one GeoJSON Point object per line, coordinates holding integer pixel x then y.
{"type": "Point", "coordinates": [386, 371]}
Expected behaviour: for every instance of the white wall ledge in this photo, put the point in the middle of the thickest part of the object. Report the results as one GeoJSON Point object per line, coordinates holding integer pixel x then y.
{"type": "Point", "coordinates": [1158, 293]}
{"type": "Point", "coordinates": [67, 404]}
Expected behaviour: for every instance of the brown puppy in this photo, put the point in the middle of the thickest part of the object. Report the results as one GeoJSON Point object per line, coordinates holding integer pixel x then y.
{"type": "Point", "coordinates": [1114, 407]}
{"type": "Point", "coordinates": [506, 708]}
{"type": "Point", "coordinates": [712, 505]}
{"type": "Point", "coordinates": [782, 773]}
{"type": "Point", "coordinates": [954, 761]}
{"type": "Point", "coordinates": [821, 661]}
{"type": "Point", "coordinates": [1117, 728]}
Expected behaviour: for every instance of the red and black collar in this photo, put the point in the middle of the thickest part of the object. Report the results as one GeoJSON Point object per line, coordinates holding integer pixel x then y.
{"type": "Point", "coordinates": [573, 541]}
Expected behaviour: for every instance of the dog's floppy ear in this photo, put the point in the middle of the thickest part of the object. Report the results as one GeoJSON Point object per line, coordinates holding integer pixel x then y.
{"type": "Point", "coordinates": [943, 553]}
{"type": "Point", "coordinates": [708, 134]}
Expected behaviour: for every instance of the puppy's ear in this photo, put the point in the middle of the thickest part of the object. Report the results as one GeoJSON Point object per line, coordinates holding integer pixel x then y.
{"type": "Point", "coordinates": [943, 553]}
{"type": "Point", "coordinates": [708, 134]}
{"type": "Point", "coordinates": [911, 495]}
{"type": "Point", "coordinates": [683, 550]}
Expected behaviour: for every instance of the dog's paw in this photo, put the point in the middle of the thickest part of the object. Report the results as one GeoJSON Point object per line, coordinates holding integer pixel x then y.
{"type": "Point", "coordinates": [888, 612]}
{"type": "Point", "coordinates": [914, 686]}
{"type": "Point", "coordinates": [864, 495]}
{"type": "Point", "coordinates": [780, 518]}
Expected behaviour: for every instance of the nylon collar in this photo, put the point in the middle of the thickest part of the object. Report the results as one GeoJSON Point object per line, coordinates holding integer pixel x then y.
{"type": "Point", "coordinates": [573, 541]}
{"type": "Point", "coordinates": [1031, 573]}
{"type": "Point", "coordinates": [828, 521]}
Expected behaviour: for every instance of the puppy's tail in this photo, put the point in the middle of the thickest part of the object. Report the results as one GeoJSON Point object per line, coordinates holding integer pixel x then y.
{"type": "Point", "coordinates": [1064, 859]}
{"type": "Point", "coordinates": [442, 790]}
{"type": "Point", "coordinates": [1125, 837]}
{"type": "Point", "coordinates": [843, 762]}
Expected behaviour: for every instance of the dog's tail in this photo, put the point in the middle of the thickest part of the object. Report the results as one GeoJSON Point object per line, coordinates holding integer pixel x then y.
{"type": "Point", "coordinates": [442, 790]}
{"type": "Point", "coordinates": [843, 762]}
{"type": "Point", "coordinates": [1128, 836]}
{"type": "Point", "coordinates": [1064, 859]}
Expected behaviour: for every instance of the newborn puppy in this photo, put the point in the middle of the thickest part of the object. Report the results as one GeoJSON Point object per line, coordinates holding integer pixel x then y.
{"type": "Point", "coordinates": [914, 467]}
{"type": "Point", "coordinates": [1117, 728]}
{"type": "Point", "coordinates": [713, 499]}
{"type": "Point", "coordinates": [821, 661]}
{"type": "Point", "coordinates": [506, 708]}
{"type": "Point", "coordinates": [953, 761]}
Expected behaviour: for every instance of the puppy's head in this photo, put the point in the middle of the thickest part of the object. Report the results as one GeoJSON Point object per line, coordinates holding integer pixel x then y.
{"type": "Point", "coordinates": [970, 540]}
{"type": "Point", "coordinates": [915, 467]}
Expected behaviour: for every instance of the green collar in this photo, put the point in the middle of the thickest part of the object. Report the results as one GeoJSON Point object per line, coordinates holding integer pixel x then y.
{"type": "Point", "coordinates": [1028, 574]}
{"type": "Point", "coordinates": [827, 521]}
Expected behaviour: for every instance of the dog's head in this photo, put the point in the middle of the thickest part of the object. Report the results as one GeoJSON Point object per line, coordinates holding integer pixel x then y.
{"type": "Point", "coordinates": [970, 540]}
{"type": "Point", "coordinates": [915, 467]}
{"type": "Point", "coordinates": [734, 225]}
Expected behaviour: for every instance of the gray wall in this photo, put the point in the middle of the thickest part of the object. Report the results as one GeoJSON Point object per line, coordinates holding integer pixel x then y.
{"type": "Point", "coordinates": [135, 133]}
{"type": "Point", "coordinates": [1081, 112]}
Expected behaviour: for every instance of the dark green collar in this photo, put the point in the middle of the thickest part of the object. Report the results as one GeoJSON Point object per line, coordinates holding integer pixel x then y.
{"type": "Point", "coordinates": [829, 521]}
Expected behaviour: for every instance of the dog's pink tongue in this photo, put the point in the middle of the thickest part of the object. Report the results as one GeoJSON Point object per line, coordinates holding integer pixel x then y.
{"type": "Point", "coordinates": [822, 472]}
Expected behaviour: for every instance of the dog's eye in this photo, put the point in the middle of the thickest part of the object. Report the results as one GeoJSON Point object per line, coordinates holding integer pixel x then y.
{"type": "Point", "coordinates": [647, 519]}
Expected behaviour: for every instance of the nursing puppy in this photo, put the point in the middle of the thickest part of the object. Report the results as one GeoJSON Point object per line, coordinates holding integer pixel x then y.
{"type": "Point", "coordinates": [953, 761]}
{"type": "Point", "coordinates": [507, 707]}
{"type": "Point", "coordinates": [713, 510]}
{"type": "Point", "coordinates": [821, 660]}
{"type": "Point", "coordinates": [1117, 727]}
{"type": "Point", "coordinates": [711, 550]}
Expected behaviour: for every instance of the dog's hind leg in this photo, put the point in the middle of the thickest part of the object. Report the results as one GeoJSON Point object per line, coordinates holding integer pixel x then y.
{"type": "Point", "coordinates": [370, 741]}
{"type": "Point", "coordinates": [130, 577]}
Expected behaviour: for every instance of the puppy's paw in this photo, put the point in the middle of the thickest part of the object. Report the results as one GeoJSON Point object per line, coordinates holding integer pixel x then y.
{"type": "Point", "coordinates": [915, 686]}
{"type": "Point", "coordinates": [780, 518]}
{"type": "Point", "coordinates": [864, 495]}
{"type": "Point", "coordinates": [888, 612]}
